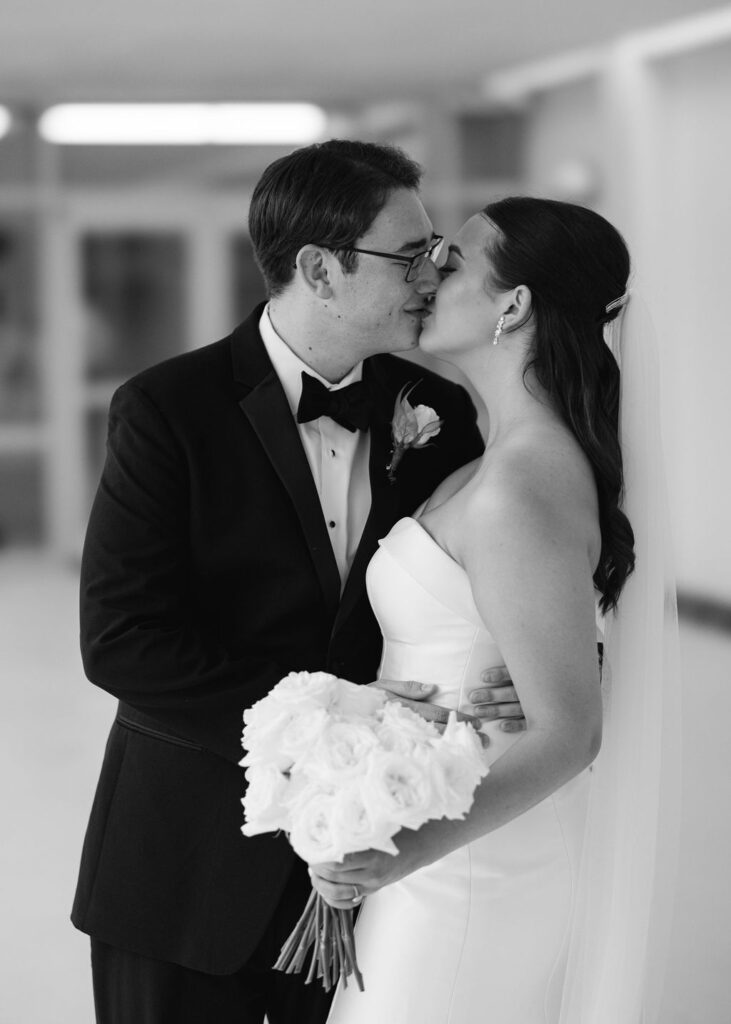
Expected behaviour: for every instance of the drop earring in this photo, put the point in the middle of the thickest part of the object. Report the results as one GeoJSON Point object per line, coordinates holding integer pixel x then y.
{"type": "Point", "coordinates": [498, 330]}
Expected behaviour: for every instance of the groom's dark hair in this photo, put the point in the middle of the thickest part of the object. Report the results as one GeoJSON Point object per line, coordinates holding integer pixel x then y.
{"type": "Point", "coordinates": [329, 193]}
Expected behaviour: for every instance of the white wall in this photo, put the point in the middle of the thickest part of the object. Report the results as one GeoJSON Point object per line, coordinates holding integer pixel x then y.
{"type": "Point", "coordinates": [687, 275]}
{"type": "Point", "coordinates": [565, 128]}
{"type": "Point", "coordinates": [692, 283]}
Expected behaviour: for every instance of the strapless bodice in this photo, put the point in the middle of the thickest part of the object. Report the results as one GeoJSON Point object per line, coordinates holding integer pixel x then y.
{"type": "Point", "coordinates": [431, 627]}
{"type": "Point", "coordinates": [481, 933]}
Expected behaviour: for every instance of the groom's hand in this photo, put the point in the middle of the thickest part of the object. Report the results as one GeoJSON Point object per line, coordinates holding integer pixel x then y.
{"type": "Point", "coordinates": [416, 695]}
{"type": "Point", "coordinates": [496, 698]}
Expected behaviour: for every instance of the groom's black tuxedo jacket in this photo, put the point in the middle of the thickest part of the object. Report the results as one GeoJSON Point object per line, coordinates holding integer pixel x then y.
{"type": "Point", "coordinates": [207, 575]}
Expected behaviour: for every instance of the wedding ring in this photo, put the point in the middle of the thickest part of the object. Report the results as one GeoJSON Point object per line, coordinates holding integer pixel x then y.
{"type": "Point", "coordinates": [357, 897]}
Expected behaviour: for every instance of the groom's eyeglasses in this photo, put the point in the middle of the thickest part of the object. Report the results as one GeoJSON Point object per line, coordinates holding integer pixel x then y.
{"type": "Point", "coordinates": [414, 264]}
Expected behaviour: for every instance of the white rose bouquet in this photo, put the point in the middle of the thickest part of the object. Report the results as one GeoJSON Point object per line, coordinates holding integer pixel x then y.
{"type": "Point", "coordinates": [341, 769]}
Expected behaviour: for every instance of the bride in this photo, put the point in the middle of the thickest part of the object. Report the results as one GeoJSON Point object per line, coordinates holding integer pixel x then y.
{"type": "Point", "coordinates": [477, 920]}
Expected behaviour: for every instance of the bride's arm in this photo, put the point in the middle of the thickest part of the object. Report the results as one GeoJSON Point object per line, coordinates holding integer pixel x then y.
{"type": "Point", "coordinates": [526, 551]}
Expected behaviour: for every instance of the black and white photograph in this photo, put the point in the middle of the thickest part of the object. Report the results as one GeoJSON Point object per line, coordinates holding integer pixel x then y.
{"type": "Point", "coordinates": [365, 582]}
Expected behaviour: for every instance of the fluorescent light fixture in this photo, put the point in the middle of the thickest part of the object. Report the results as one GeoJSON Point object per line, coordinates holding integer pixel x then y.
{"type": "Point", "coordinates": [182, 124]}
{"type": "Point", "coordinates": [6, 120]}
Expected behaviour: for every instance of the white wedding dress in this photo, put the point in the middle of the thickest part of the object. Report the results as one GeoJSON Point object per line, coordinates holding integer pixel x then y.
{"type": "Point", "coordinates": [480, 936]}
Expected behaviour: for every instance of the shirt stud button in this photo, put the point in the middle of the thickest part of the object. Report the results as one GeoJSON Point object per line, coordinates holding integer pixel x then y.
{"type": "Point", "coordinates": [331, 523]}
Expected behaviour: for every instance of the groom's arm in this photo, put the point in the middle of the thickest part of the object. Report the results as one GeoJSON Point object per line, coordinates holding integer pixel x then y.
{"type": "Point", "coordinates": [140, 636]}
{"type": "Point", "coordinates": [497, 699]}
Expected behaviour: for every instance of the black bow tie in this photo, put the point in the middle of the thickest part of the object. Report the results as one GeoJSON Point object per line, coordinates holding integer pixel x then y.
{"type": "Point", "coordinates": [351, 406]}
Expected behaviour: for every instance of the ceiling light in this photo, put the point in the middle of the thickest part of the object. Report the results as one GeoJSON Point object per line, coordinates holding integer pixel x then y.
{"type": "Point", "coordinates": [5, 121]}
{"type": "Point", "coordinates": [182, 124]}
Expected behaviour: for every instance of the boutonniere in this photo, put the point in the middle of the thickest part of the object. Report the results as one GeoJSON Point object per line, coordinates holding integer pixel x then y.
{"type": "Point", "coordinates": [411, 427]}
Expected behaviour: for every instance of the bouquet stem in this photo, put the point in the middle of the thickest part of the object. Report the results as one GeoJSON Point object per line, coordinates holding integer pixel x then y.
{"type": "Point", "coordinates": [346, 928]}
{"type": "Point", "coordinates": [330, 933]}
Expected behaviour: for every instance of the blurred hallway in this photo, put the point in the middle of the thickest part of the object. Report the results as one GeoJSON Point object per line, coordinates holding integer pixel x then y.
{"type": "Point", "coordinates": [115, 256]}
{"type": "Point", "coordinates": [51, 743]}
{"type": "Point", "coordinates": [54, 726]}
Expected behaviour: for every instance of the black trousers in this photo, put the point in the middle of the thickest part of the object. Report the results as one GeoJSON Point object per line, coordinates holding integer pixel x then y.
{"type": "Point", "coordinates": [133, 989]}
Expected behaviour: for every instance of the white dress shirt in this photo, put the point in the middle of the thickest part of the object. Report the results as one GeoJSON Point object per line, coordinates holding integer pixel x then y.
{"type": "Point", "coordinates": [338, 458]}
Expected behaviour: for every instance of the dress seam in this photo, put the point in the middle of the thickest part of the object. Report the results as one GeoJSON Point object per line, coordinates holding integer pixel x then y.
{"type": "Point", "coordinates": [468, 851]}
{"type": "Point", "coordinates": [467, 663]}
{"type": "Point", "coordinates": [567, 930]}
{"type": "Point", "coordinates": [464, 935]}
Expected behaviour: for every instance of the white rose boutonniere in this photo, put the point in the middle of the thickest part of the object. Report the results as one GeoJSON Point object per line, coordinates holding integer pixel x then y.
{"type": "Point", "coordinates": [411, 427]}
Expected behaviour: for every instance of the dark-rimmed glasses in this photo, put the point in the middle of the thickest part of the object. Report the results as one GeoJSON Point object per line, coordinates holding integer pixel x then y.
{"type": "Point", "coordinates": [414, 264]}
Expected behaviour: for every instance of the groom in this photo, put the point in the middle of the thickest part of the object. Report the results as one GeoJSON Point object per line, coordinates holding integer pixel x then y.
{"type": "Point", "coordinates": [244, 492]}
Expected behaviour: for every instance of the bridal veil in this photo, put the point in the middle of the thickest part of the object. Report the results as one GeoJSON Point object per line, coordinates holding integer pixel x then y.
{"type": "Point", "coordinates": [626, 884]}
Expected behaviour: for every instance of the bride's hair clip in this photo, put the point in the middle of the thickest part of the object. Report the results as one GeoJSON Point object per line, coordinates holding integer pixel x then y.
{"type": "Point", "coordinates": [618, 303]}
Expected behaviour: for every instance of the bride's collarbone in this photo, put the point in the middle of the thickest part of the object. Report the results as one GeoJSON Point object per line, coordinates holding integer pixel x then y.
{"type": "Point", "coordinates": [452, 497]}
{"type": "Point", "coordinates": [459, 501]}
{"type": "Point", "coordinates": [451, 487]}
{"type": "Point", "coordinates": [458, 506]}
{"type": "Point", "coordinates": [443, 516]}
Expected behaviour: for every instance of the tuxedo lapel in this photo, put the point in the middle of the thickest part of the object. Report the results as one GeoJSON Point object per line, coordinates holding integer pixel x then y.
{"type": "Point", "coordinates": [268, 411]}
{"type": "Point", "coordinates": [384, 494]}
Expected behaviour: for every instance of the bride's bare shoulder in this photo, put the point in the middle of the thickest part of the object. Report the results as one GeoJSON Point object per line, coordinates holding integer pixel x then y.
{"type": "Point", "coordinates": [540, 485]}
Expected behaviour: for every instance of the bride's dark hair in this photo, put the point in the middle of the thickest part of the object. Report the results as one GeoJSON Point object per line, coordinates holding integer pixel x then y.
{"type": "Point", "coordinates": [575, 264]}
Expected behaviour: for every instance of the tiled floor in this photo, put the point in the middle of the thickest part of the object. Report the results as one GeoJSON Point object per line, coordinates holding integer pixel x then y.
{"type": "Point", "coordinates": [53, 727]}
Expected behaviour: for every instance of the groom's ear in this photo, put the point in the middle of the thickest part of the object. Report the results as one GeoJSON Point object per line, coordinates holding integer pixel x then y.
{"type": "Point", "coordinates": [519, 309]}
{"type": "Point", "coordinates": [312, 266]}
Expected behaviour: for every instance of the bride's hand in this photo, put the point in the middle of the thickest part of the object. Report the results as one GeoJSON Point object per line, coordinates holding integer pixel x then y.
{"type": "Point", "coordinates": [343, 884]}
{"type": "Point", "coordinates": [416, 695]}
